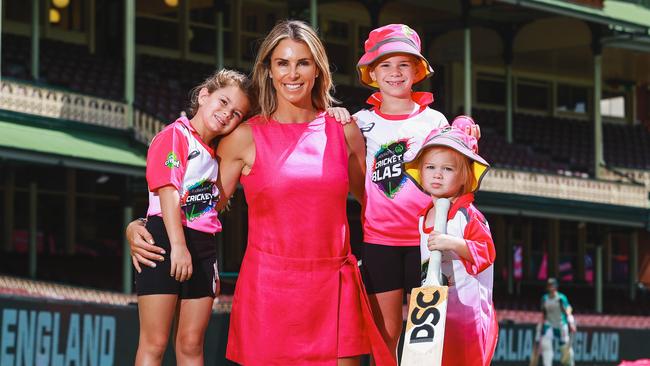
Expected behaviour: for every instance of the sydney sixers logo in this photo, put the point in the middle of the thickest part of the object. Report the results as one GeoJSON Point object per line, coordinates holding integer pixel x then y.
{"type": "Point", "coordinates": [387, 172]}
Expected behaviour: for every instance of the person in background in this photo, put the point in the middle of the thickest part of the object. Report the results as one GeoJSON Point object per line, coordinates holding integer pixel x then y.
{"type": "Point", "coordinates": [558, 323]}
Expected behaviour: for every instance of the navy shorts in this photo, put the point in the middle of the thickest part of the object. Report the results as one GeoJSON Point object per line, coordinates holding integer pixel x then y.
{"type": "Point", "coordinates": [387, 268]}
{"type": "Point", "coordinates": [203, 249]}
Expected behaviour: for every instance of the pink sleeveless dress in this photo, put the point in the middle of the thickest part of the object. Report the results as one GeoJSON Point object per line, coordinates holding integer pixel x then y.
{"type": "Point", "coordinates": [299, 299]}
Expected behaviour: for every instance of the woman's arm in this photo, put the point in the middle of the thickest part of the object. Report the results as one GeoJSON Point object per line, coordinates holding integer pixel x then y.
{"type": "Point", "coordinates": [356, 159]}
{"type": "Point", "coordinates": [236, 155]}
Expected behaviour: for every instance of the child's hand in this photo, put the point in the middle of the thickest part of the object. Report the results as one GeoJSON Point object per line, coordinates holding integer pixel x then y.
{"type": "Point", "coordinates": [217, 280]}
{"type": "Point", "coordinates": [474, 131]}
{"type": "Point", "coordinates": [181, 263]}
{"type": "Point", "coordinates": [438, 241]}
{"type": "Point", "coordinates": [467, 125]}
{"type": "Point", "coordinates": [341, 115]}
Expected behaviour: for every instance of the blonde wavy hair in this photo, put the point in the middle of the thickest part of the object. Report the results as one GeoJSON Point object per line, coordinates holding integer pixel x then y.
{"type": "Point", "coordinates": [321, 94]}
{"type": "Point", "coordinates": [221, 79]}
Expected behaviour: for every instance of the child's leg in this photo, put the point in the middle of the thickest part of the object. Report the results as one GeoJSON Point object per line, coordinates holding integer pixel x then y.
{"type": "Point", "coordinates": [384, 271]}
{"type": "Point", "coordinates": [193, 319]}
{"type": "Point", "coordinates": [387, 313]}
{"type": "Point", "coordinates": [156, 313]}
{"type": "Point", "coordinates": [197, 296]}
{"type": "Point", "coordinates": [349, 361]}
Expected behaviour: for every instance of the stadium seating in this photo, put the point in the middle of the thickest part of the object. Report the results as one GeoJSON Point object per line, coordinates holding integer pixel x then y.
{"type": "Point", "coordinates": [14, 286]}
{"type": "Point", "coordinates": [29, 288]}
{"type": "Point", "coordinates": [583, 320]}
{"type": "Point", "coordinates": [542, 143]}
{"type": "Point", "coordinates": [162, 85]}
{"type": "Point", "coordinates": [581, 296]}
{"type": "Point", "coordinates": [564, 145]}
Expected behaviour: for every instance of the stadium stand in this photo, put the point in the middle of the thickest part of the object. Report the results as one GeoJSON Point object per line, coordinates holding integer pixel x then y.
{"type": "Point", "coordinates": [25, 287]}
{"type": "Point", "coordinates": [161, 84]}
{"type": "Point", "coordinates": [18, 286]}
{"type": "Point", "coordinates": [542, 143]}
{"type": "Point", "coordinates": [561, 144]}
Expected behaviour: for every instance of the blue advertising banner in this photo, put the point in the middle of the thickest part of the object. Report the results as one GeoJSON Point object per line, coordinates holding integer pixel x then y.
{"type": "Point", "coordinates": [63, 333]}
{"type": "Point", "coordinates": [592, 346]}
{"type": "Point", "coordinates": [35, 331]}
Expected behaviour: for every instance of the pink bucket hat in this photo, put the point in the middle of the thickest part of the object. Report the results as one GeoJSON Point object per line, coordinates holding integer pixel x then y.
{"type": "Point", "coordinates": [389, 39]}
{"type": "Point", "coordinates": [454, 138]}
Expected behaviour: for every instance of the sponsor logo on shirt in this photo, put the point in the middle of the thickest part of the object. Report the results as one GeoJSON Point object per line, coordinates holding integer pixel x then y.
{"type": "Point", "coordinates": [172, 161]}
{"type": "Point", "coordinates": [198, 200]}
{"type": "Point", "coordinates": [193, 154]}
{"type": "Point", "coordinates": [368, 127]}
{"type": "Point", "coordinates": [387, 172]}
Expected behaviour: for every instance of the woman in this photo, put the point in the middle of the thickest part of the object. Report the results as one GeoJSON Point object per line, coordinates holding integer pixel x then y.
{"type": "Point", "coordinates": [299, 299]}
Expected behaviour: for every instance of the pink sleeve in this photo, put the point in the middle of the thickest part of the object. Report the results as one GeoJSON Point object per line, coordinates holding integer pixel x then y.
{"type": "Point", "coordinates": [167, 159]}
{"type": "Point", "coordinates": [479, 242]}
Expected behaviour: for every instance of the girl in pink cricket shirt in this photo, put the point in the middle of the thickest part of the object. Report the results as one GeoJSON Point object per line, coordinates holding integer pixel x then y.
{"type": "Point", "coordinates": [448, 166]}
{"type": "Point", "coordinates": [397, 124]}
{"type": "Point", "coordinates": [182, 218]}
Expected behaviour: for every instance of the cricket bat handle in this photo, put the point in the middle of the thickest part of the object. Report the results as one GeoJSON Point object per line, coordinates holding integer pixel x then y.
{"type": "Point", "coordinates": [434, 275]}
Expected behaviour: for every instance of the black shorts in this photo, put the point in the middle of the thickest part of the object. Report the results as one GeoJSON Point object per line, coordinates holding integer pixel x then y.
{"type": "Point", "coordinates": [386, 268]}
{"type": "Point", "coordinates": [202, 247]}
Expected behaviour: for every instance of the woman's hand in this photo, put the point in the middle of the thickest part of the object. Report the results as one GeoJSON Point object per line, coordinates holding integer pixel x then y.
{"type": "Point", "coordinates": [341, 115]}
{"type": "Point", "coordinates": [143, 249]}
{"type": "Point", "coordinates": [181, 268]}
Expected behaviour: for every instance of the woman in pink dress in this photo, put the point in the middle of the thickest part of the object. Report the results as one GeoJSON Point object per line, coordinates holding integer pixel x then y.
{"type": "Point", "coordinates": [299, 299]}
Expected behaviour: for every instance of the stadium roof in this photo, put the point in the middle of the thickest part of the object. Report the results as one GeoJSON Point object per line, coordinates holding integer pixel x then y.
{"type": "Point", "coordinates": [563, 209]}
{"type": "Point", "coordinates": [48, 141]}
{"type": "Point", "coordinates": [628, 15]}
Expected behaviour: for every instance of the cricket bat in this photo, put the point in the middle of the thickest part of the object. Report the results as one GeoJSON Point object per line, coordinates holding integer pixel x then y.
{"type": "Point", "coordinates": [425, 327]}
{"type": "Point", "coordinates": [534, 357]}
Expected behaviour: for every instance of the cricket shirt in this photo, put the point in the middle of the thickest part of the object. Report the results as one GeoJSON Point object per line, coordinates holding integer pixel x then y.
{"type": "Point", "coordinates": [392, 201]}
{"type": "Point", "coordinates": [178, 157]}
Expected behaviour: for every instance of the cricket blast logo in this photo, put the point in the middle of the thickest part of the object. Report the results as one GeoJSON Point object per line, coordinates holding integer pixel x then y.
{"type": "Point", "coordinates": [198, 199]}
{"type": "Point", "coordinates": [387, 172]}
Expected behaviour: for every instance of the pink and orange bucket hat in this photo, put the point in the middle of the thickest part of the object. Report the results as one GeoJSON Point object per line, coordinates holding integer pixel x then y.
{"type": "Point", "coordinates": [387, 40]}
{"type": "Point", "coordinates": [454, 138]}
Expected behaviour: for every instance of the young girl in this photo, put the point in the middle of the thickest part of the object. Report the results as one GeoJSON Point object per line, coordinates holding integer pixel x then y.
{"type": "Point", "coordinates": [182, 176]}
{"type": "Point", "coordinates": [448, 166]}
{"type": "Point", "coordinates": [398, 123]}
